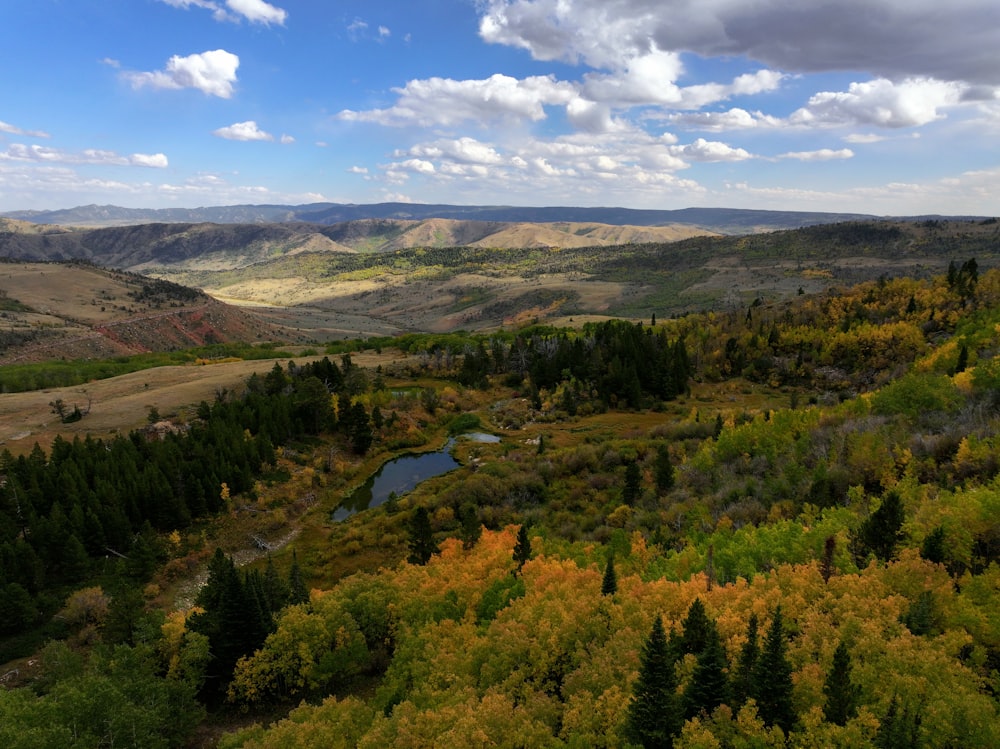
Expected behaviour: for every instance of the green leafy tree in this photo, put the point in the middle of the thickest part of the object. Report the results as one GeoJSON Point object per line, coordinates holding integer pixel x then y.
{"type": "Point", "coordinates": [421, 537]}
{"type": "Point", "coordinates": [841, 693]}
{"type": "Point", "coordinates": [654, 716]}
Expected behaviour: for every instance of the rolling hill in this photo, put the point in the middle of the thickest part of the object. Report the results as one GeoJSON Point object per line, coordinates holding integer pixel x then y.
{"type": "Point", "coordinates": [721, 220]}
{"type": "Point", "coordinates": [76, 311]}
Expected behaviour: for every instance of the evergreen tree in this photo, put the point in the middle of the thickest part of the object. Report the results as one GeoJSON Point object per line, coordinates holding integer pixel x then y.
{"type": "Point", "coordinates": [709, 686]}
{"type": "Point", "coordinates": [773, 678]}
{"type": "Point", "coordinates": [826, 564]}
{"type": "Point", "coordinates": [471, 529]}
{"type": "Point", "coordinates": [275, 589]}
{"type": "Point", "coordinates": [633, 483]}
{"type": "Point", "coordinates": [297, 590]}
{"type": "Point", "coordinates": [841, 695]}
{"type": "Point", "coordinates": [609, 585]}
{"type": "Point", "coordinates": [654, 716]}
{"type": "Point", "coordinates": [663, 470]}
{"type": "Point", "coordinates": [746, 666]}
{"type": "Point", "coordinates": [963, 359]}
{"type": "Point", "coordinates": [696, 628]}
{"type": "Point", "coordinates": [932, 548]}
{"type": "Point", "coordinates": [522, 548]}
{"type": "Point", "coordinates": [899, 729]}
{"type": "Point", "coordinates": [360, 430]}
{"type": "Point", "coordinates": [882, 530]}
{"type": "Point", "coordinates": [421, 541]}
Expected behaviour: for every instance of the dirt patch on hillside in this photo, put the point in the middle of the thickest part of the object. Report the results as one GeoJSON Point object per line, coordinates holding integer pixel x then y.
{"type": "Point", "coordinates": [121, 404]}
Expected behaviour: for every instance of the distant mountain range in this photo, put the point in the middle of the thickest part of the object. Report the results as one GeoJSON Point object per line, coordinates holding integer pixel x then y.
{"type": "Point", "coordinates": [721, 220]}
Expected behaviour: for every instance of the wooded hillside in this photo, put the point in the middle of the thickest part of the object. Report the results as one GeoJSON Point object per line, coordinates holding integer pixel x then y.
{"type": "Point", "coordinates": [775, 525]}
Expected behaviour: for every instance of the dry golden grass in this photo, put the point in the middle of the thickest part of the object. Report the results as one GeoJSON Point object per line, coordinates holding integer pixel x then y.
{"type": "Point", "coordinates": [120, 404]}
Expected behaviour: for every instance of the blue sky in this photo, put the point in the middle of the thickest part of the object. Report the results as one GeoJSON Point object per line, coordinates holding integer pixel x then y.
{"type": "Point", "coordinates": [889, 107]}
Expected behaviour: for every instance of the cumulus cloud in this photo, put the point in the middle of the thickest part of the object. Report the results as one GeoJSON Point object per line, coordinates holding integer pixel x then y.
{"type": "Point", "coordinates": [212, 72]}
{"type": "Point", "coordinates": [823, 154]}
{"type": "Point", "coordinates": [733, 119]}
{"type": "Point", "coordinates": [243, 131]}
{"type": "Point", "coordinates": [709, 151]}
{"type": "Point", "coordinates": [255, 11]}
{"type": "Point", "coordinates": [886, 38]}
{"type": "Point", "coordinates": [6, 127]}
{"type": "Point", "coordinates": [444, 101]}
{"type": "Point", "coordinates": [915, 101]}
{"type": "Point", "coordinates": [44, 154]}
{"type": "Point", "coordinates": [155, 160]}
{"type": "Point", "coordinates": [467, 150]}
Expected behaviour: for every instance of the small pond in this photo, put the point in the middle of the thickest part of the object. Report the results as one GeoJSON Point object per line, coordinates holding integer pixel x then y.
{"type": "Point", "coordinates": [401, 475]}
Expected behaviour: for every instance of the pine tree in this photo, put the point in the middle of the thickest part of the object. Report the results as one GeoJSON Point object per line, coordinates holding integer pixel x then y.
{"type": "Point", "coordinates": [275, 589]}
{"type": "Point", "coordinates": [522, 548]}
{"type": "Point", "coordinates": [633, 483]}
{"type": "Point", "coordinates": [841, 695]}
{"type": "Point", "coordinates": [654, 716]}
{"type": "Point", "coordinates": [696, 628]}
{"type": "Point", "coordinates": [709, 686]}
{"type": "Point", "coordinates": [422, 545]}
{"type": "Point", "coordinates": [932, 548]}
{"type": "Point", "coordinates": [663, 470]}
{"type": "Point", "coordinates": [773, 678]}
{"type": "Point", "coordinates": [826, 564]}
{"type": "Point", "coordinates": [746, 666]}
{"type": "Point", "coordinates": [297, 590]}
{"type": "Point", "coordinates": [609, 585]}
{"type": "Point", "coordinates": [471, 529]}
{"type": "Point", "coordinates": [883, 529]}
{"type": "Point", "coordinates": [899, 729]}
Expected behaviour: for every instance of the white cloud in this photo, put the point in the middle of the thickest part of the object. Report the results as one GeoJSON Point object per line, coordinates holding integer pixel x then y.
{"type": "Point", "coordinates": [6, 127]}
{"type": "Point", "coordinates": [881, 103]}
{"type": "Point", "coordinates": [710, 151]}
{"type": "Point", "coordinates": [255, 11]}
{"type": "Point", "coordinates": [243, 131]}
{"type": "Point", "coordinates": [467, 150]}
{"type": "Point", "coordinates": [444, 101]}
{"type": "Point", "coordinates": [212, 72]}
{"type": "Point", "coordinates": [46, 155]}
{"type": "Point", "coordinates": [823, 154]}
{"type": "Point", "coordinates": [733, 119]}
{"type": "Point", "coordinates": [863, 138]}
{"type": "Point", "coordinates": [286, 139]}
{"type": "Point", "coordinates": [154, 160]}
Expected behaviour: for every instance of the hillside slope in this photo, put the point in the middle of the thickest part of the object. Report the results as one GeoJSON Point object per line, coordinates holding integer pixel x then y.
{"type": "Point", "coordinates": [56, 311]}
{"type": "Point", "coordinates": [724, 220]}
